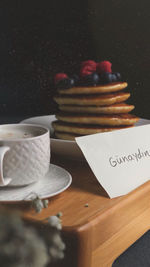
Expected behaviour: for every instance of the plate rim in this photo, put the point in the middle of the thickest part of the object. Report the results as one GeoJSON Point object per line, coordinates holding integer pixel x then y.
{"type": "Point", "coordinates": [67, 141]}
{"type": "Point", "coordinates": [45, 196]}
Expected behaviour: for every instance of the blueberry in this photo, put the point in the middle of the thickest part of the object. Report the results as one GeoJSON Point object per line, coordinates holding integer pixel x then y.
{"type": "Point", "coordinates": [106, 77]}
{"type": "Point", "coordinates": [65, 84]}
{"type": "Point", "coordinates": [92, 79]}
{"type": "Point", "coordinates": [95, 77]}
{"type": "Point", "coordinates": [118, 76]}
{"type": "Point", "coordinates": [114, 77]}
{"type": "Point", "coordinates": [75, 78]}
{"type": "Point", "coordinates": [71, 82]}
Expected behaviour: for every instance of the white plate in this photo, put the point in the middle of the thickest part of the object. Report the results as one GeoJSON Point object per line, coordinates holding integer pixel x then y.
{"type": "Point", "coordinates": [56, 181]}
{"type": "Point", "coordinates": [65, 147]}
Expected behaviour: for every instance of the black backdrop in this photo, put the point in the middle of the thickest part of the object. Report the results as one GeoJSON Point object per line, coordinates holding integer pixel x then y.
{"type": "Point", "coordinates": [40, 38]}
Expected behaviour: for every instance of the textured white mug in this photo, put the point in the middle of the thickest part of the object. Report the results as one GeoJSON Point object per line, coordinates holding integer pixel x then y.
{"type": "Point", "coordinates": [24, 153]}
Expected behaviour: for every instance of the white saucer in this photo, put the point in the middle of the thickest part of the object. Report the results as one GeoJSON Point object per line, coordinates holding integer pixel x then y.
{"type": "Point", "coordinates": [65, 147]}
{"type": "Point", "coordinates": [56, 181]}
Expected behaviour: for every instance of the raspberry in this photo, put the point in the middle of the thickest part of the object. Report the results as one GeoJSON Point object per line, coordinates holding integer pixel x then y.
{"type": "Point", "coordinates": [104, 66]}
{"type": "Point", "coordinates": [60, 76]}
{"type": "Point", "coordinates": [86, 70]}
{"type": "Point", "coordinates": [87, 67]}
{"type": "Point", "coordinates": [89, 63]}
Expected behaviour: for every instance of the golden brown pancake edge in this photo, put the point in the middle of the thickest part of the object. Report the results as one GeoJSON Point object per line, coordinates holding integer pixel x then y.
{"type": "Point", "coordinates": [109, 120]}
{"type": "Point", "coordinates": [83, 129]}
{"type": "Point", "coordinates": [118, 108]}
{"type": "Point", "coordinates": [98, 100]}
{"type": "Point", "coordinates": [106, 88]}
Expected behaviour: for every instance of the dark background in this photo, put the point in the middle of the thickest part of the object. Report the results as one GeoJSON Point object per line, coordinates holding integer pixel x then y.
{"type": "Point", "coordinates": [41, 38]}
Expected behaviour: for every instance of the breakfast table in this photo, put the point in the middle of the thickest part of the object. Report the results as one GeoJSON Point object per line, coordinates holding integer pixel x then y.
{"type": "Point", "coordinates": [95, 228]}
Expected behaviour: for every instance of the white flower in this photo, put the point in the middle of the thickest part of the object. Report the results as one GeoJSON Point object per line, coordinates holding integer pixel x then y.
{"type": "Point", "coordinates": [37, 204]}
{"type": "Point", "coordinates": [54, 221]}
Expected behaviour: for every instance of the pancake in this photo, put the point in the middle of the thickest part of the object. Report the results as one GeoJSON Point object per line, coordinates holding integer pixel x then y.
{"type": "Point", "coordinates": [79, 129]}
{"type": "Point", "coordinates": [106, 88]}
{"type": "Point", "coordinates": [112, 109]}
{"type": "Point", "coordinates": [109, 120]}
{"type": "Point", "coordinates": [98, 100]}
{"type": "Point", "coordinates": [89, 109]}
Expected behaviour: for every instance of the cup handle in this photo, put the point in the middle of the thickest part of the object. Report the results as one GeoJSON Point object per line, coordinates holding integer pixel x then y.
{"type": "Point", "coordinates": [3, 181]}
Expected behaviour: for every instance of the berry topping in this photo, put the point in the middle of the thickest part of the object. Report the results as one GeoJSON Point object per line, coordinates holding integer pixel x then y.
{"type": "Point", "coordinates": [91, 74]}
{"type": "Point", "coordinates": [91, 79]}
{"type": "Point", "coordinates": [89, 63]}
{"type": "Point", "coordinates": [60, 76]}
{"type": "Point", "coordinates": [103, 66]}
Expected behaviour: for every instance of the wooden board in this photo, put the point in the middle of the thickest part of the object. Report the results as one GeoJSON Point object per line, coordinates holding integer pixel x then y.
{"type": "Point", "coordinates": [95, 235]}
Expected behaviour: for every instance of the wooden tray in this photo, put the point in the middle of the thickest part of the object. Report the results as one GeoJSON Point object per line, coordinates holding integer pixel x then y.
{"type": "Point", "coordinates": [96, 229]}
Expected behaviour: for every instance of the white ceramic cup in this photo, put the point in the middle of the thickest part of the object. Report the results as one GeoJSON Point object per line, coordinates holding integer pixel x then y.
{"type": "Point", "coordinates": [24, 153]}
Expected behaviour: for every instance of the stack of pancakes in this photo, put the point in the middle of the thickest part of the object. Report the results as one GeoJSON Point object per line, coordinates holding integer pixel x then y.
{"type": "Point", "coordinates": [92, 109]}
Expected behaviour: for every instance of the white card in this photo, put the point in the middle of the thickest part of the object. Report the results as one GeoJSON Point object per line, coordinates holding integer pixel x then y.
{"type": "Point", "coordinates": [119, 159]}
